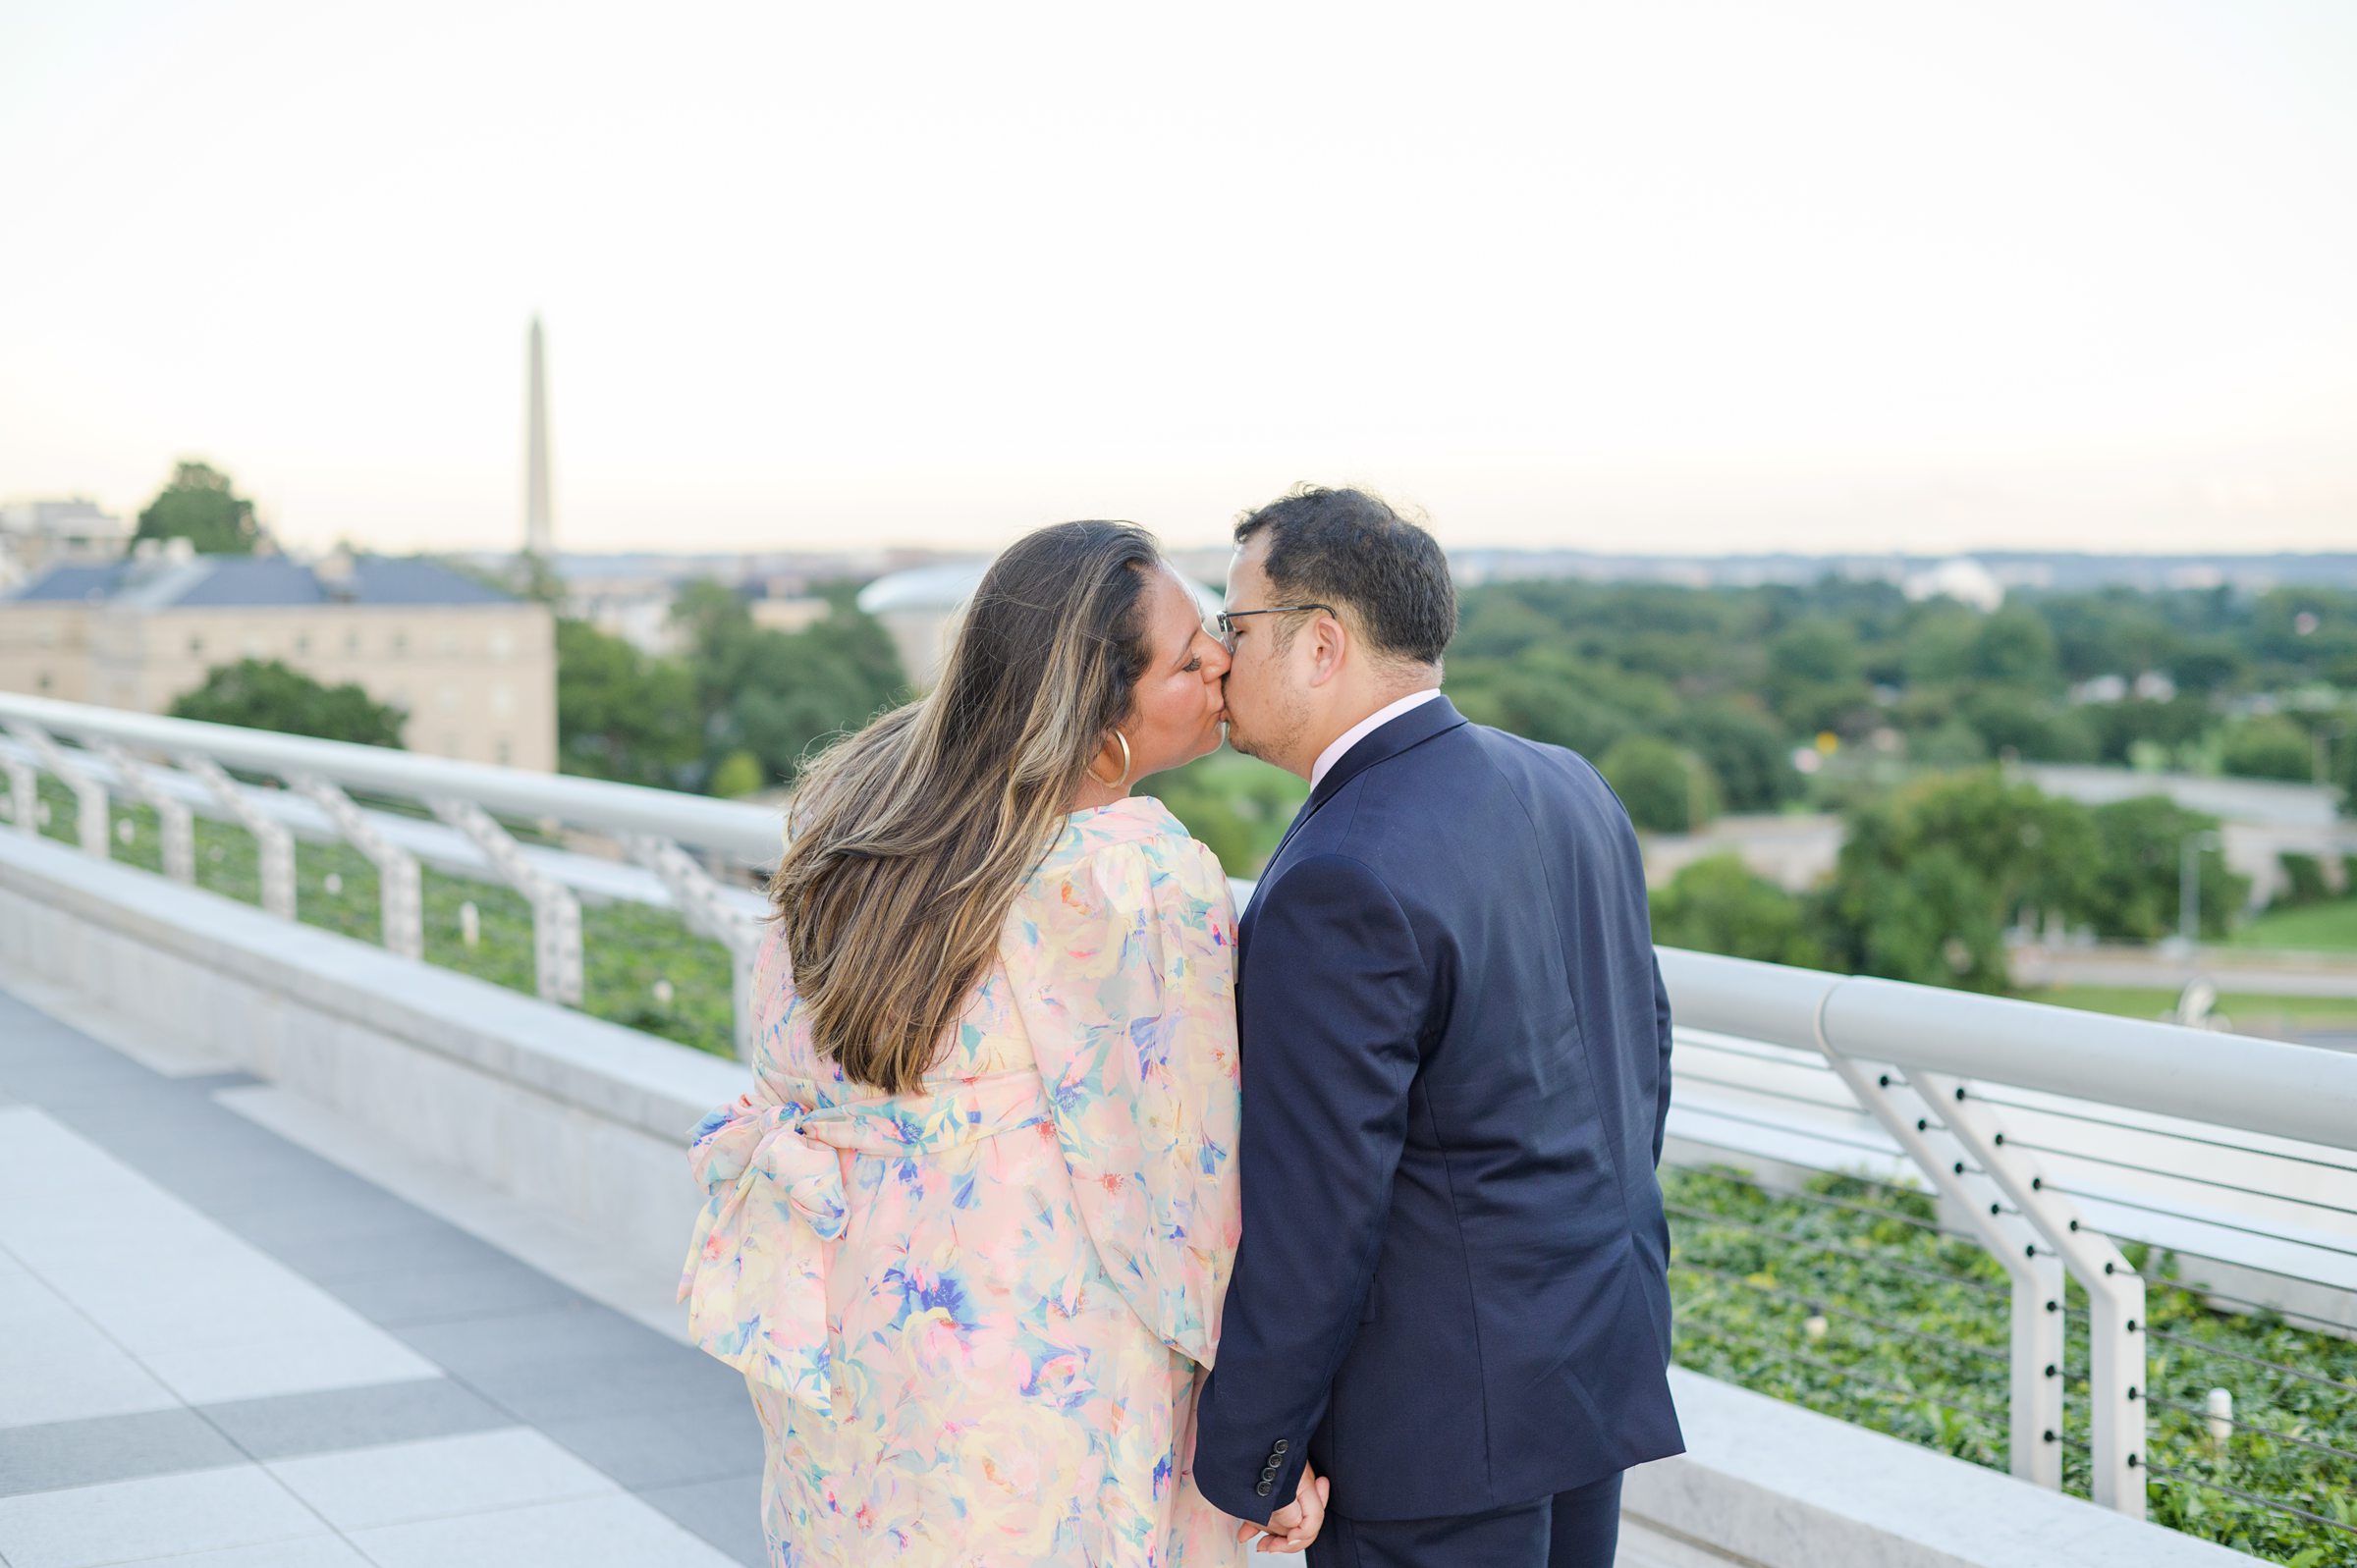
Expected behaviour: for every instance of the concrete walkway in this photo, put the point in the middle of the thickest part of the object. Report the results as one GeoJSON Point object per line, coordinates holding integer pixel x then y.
{"type": "Point", "coordinates": [220, 1350]}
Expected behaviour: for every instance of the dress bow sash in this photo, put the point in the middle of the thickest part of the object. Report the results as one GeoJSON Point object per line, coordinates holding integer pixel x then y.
{"type": "Point", "coordinates": [755, 1282]}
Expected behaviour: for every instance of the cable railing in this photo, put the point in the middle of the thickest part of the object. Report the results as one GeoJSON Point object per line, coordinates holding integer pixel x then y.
{"type": "Point", "coordinates": [2163, 1221]}
{"type": "Point", "coordinates": [2106, 1255]}
{"type": "Point", "coordinates": [391, 820]}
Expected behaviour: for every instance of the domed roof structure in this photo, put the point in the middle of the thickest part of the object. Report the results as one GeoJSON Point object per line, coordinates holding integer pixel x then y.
{"type": "Point", "coordinates": [945, 585]}
{"type": "Point", "coordinates": [919, 608]}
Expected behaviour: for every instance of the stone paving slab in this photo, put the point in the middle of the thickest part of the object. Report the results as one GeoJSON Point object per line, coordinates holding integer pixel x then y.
{"type": "Point", "coordinates": [410, 1394]}
{"type": "Point", "coordinates": [354, 1418]}
{"type": "Point", "coordinates": [79, 1454]}
{"type": "Point", "coordinates": [666, 1448]}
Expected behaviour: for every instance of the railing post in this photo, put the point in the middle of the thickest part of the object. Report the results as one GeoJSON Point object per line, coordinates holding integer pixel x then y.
{"type": "Point", "coordinates": [2034, 1426]}
{"type": "Point", "coordinates": [25, 794]}
{"type": "Point", "coordinates": [274, 843]}
{"type": "Point", "coordinates": [2116, 1361]}
{"type": "Point", "coordinates": [399, 893]}
{"type": "Point", "coordinates": [556, 912]}
{"type": "Point", "coordinates": [171, 812]}
{"type": "Point", "coordinates": [90, 796]}
{"type": "Point", "coordinates": [704, 911]}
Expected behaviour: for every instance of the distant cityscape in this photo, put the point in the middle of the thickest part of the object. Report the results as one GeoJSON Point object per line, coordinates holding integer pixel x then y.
{"type": "Point", "coordinates": [465, 643]}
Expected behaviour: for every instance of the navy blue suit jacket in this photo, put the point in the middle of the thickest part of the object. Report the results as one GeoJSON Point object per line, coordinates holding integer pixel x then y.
{"type": "Point", "coordinates": [1451, 1293]}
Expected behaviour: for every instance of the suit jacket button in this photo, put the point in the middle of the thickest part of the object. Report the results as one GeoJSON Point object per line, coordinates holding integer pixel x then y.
{"type": "Point", "coordinates": [1279, 1446]}
{"type": "Point", "coordinates": [1265, 1487]}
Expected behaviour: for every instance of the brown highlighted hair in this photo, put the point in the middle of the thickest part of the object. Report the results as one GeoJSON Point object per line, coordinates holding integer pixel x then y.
{"type": "Point", "coordinates": [908, 841]}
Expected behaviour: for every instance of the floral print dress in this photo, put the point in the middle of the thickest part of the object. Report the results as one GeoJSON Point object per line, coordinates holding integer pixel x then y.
{"type": "Point", "coordinates": [973, 1318]}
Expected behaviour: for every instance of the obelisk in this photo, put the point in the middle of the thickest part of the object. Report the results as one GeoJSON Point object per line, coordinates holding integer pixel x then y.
{"type": "Point", "coordinates": [538, 525]}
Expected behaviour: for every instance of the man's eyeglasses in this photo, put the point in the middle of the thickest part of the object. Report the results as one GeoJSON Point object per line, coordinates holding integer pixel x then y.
{"type": "Point", "coordinates": [1227, 619]}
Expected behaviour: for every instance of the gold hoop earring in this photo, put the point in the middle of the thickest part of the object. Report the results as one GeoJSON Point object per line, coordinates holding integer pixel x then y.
{"type": "Point", "coordinates": [1113, 783]}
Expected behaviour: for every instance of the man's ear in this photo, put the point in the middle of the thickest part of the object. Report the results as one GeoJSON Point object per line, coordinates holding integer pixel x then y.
{"type": "Point", "coordinates": [1329, 647]}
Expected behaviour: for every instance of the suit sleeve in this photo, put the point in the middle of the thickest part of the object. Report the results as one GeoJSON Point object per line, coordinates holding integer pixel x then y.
{"type": "Point", "coordinates": [1661, 1016]}
{"type": "Point", "coordinates": [1332, 1008]}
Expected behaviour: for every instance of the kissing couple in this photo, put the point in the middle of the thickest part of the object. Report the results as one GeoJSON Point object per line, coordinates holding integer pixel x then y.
{"type": "Point", "coordinates": [1075, 1220]}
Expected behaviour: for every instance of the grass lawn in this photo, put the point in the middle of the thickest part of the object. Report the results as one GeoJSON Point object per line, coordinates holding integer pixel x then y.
{"type": "Point", "coordinates": [2330, 927]}
{"type": "Point", "coordinates": [2250, 1013]}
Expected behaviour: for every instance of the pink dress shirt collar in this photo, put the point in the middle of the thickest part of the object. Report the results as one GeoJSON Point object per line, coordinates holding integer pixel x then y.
{"type": "Point", "coordinates": [1364, 729]}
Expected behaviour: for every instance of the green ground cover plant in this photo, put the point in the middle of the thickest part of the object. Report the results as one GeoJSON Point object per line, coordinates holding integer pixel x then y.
{"type": "Point", "coordinates": [1845, 1298]}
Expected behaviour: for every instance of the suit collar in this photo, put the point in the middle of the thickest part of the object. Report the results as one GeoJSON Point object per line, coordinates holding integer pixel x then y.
{"type": "Point", "coordinates": [1410, 730]}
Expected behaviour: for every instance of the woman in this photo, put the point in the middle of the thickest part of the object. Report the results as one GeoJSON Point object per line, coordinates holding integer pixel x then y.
{"type": "Point", "coordinates": [968, 1238]}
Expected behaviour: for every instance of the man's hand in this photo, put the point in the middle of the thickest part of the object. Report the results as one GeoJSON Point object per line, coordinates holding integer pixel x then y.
{"type": "Point", "coordinates": [1294, 1526]}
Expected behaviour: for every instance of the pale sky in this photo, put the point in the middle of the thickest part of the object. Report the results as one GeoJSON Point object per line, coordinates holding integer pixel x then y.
{"type": "Point", "coordinates": [1648, 276]}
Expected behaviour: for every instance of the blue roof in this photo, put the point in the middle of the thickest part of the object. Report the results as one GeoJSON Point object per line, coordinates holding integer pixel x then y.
{"type": "Point", "coordinates": [388, 580]}
{"type": "Point", "coordinates": [71, 584]}
{"type": "Point", "coordinates": [245, 580]}
{"type": "Point", "coordinates": [255, 582]}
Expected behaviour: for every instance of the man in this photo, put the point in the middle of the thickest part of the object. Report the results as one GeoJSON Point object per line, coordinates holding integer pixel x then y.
{"type": "Point", "coordinates": [1452, 1296]}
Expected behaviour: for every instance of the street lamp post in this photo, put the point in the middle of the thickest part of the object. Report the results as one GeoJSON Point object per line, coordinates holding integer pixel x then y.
{"type": "Point", "coordinates": [2189, 888]}
{"type": "Point", "coordinates": [2321, 738]}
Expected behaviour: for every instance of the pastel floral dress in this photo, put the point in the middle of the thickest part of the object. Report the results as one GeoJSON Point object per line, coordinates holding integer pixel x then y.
{"type": "Point", "coordinates": [975, 1318]}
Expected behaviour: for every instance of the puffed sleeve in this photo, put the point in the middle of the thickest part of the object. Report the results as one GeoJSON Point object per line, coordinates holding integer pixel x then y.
{"type": "Point", "coordinates": [1130, 997]}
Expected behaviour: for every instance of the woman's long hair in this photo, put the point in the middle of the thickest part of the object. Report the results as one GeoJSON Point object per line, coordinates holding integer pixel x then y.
{"type": "Point", "coordinates": [911, 840]}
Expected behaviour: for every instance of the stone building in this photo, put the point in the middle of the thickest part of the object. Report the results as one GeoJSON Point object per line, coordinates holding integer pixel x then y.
{"type": "Point", "coordinates": [35, 535]}
{"type": "Point", "coordinates": [473, 667]}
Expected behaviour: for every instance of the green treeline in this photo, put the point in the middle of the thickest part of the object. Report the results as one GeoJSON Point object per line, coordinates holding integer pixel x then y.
{"type": "Point", "coordinates": [1732, 680]}
{"type": "Point", "coordinates": [1933, 873]}
{"type": "Point", "coordinates": [736, 712]}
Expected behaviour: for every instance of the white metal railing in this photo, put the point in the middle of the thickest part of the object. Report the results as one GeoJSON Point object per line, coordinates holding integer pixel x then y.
{"type": "Point", "coordinates": [180, 766]}
{"type": "Point", "coordinates": [2050, 1136]}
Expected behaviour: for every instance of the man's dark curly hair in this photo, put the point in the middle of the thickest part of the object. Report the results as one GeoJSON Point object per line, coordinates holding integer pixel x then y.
{"type": "Point", "coordinates": [1346, 547]}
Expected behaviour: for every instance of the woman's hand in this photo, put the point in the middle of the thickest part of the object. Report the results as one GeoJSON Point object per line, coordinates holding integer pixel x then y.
{"type": "Point", "coordinates": [1294, 1526]}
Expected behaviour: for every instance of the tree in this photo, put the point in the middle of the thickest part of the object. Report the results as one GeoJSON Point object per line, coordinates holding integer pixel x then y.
{"type": "Point", "coordinates": [1930, 875]}
{"type": "Point", "coordinates": [1240, 807]}
{"type": "Point", "coordinates": [1951, 745]}
{"type": "Point", "coordinates": [2270, 746]}
{"type": "Point", "coordinates": [622, 714]}
{"type": "Point", "coordinates": [2141, 844]}
{"type": "Point", "coordinates": [775, 695]}
{"type": "Point", "coordinates": [267, 694]}
{"type": "Point", "coordinates": [2113, 632]}
{"type": "Point", "coordinates": [1666, 789]}
{"type": "Point", "coordinates": [1744, 750]}
{"type": "Point", "coordinates": [198, 504]}
{"type": "Point", "coordinates": [2121, 728]}
{"type": "Point", "coordinates": [1718, 904]}
{"type": "Point", "coordinates": [1816, 675]}
{"type": "Point", "coordinates": [1939, 645]}
{"type": "Point", "coordinates": [2016, 648]}
{"type": "Point", "coordinates": [739, 775]}
{"type": "Point", "coordinates": [2345, 774]}
{"type": "Point", "coordinates": [2208, 664]}
{"type": "Point", "coordinates": [2013, 719]}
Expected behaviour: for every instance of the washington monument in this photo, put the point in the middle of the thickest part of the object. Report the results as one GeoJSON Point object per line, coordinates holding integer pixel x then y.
{"type": "Point", "coordinates": [538, 529]}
